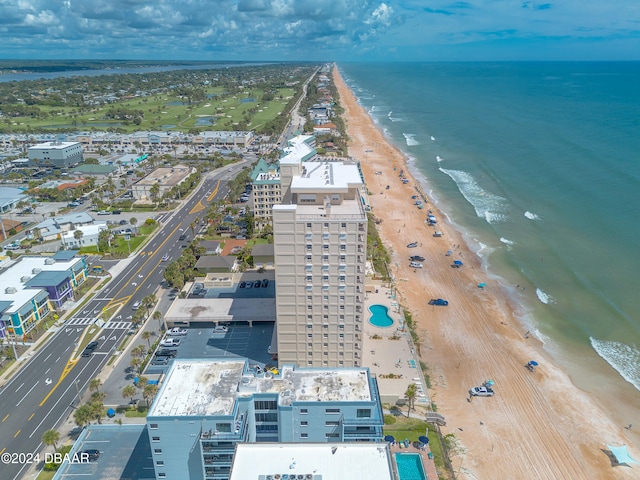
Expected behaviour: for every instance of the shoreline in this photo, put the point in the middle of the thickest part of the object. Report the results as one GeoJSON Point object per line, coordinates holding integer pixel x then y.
{"type": "Point", "coordinates": [538, 425]}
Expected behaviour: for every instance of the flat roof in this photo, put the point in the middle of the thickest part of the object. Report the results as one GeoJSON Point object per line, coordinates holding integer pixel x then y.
{"type": "Point", "coordinates": [166, 176]}
{"type": "Point", "coordinates": [210, 387]}
{"type": "Point", "coordinates": [329, 176]}
{"type": "Point", "coordinates": [54, 145]}
{"type": "Point", "coordinates": [312, 461]}
{"type": "Point", "coordinates": [257, 309]}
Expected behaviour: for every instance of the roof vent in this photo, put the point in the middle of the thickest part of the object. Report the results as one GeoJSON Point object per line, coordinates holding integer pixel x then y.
{"type": "Point", "coordinates": [24, 279]}
{"type": "Point", "coordinates": [49, 261]}
{"type": "Point", "coordinates": [36, 271]}
{"type": "Point", "coordinates": [10, 290]}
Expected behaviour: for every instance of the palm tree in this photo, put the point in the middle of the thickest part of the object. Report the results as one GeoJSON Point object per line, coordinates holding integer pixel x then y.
{"type": "Point", "coordinates": [51, 437]}
{"type": "Point", "coordinates": [83, 415]}
{"type": "Point", "coordinates": [138, 351]}
{"type": "Point", "coordinates": [158, 316]}
{"type": "Point", "coordinates": [95, 384]}
{"type": "Point", "coordinates": [142, 382]}
{"type": "Point", "coordinates": [410, 395]}
{"type": "Point", "coordinates": [129, 392]}
{"type": "Point", "coordinates": [146, 335]}
{"type": "Point", "coordinates": [148, 392]}
{"type": "Point", "coordinates": [135, 363]}
{"type": "Point", "coordinates": [77, 234]}
{"type": "Point", "coordinates": [133, 221]}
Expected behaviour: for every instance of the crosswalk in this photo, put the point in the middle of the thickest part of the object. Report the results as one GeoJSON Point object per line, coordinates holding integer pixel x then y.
{"type": "Point", "coordinates": [83, 322]}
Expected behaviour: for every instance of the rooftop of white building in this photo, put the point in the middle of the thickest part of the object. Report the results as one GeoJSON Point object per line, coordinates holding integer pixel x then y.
{"type": "Point", "coordinates": [210, 387]}
{"type": "Point", "coordinates": [312, 461]}
{"type": "Point", "coordinates": [297, 150]}
{"type": "Point", "coordinates": [20, 272]}
{"type": "Point", "coordinates": [326, 176]}
{"type": "Point", "coordinates": [54, 145]}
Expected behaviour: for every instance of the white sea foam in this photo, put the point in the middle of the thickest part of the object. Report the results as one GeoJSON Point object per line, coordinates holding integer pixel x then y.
{"type": "Point", "coordinates": [492, 208]}
{"type": "Point", "coordinates": [411, 139]}
{"type": "Point", "coordinates": [623, 358]}
{"type": "Point", "coordinates": [531, 216]}
{"type": "Point", "coordinates": [439, 158]}
{"type": "Point", "coordinates": [507, 242]}
{"type": "Point", "coordinates": [544, 297]}
{"type": "Point", "coordinates": [433, 139]}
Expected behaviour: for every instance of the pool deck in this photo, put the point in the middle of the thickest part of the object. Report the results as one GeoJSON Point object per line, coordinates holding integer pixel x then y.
{"type": "Point", "coordinates": [385, 356]}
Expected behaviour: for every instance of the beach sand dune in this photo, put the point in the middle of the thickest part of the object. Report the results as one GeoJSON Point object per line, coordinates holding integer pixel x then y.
{"type": "Point", "coordinates": [538, 425]}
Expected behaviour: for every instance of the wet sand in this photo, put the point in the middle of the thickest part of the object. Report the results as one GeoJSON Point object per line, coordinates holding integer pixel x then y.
{"type": "Point", "coordinates": [538, 424]}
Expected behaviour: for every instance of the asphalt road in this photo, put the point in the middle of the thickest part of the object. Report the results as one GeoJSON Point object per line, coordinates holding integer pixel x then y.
{"type": "Point", "coordinates": [46, 390]}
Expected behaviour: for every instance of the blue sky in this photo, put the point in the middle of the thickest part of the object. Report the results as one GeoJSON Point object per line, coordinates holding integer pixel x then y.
{"type": "Point", "coordinates": [321, 29]}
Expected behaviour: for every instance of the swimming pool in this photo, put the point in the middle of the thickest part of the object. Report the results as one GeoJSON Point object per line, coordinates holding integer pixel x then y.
{"type": "Point", "coordinates": [380, 316]}
{"type": "Point", "coordinates": [410, 466]}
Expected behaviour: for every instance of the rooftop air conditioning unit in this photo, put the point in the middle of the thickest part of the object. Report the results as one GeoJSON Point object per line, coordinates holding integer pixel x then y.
{"type": "Point", "coordinates": [36, 271]}
{"type": "Point", "coordinates": [10, 290]}
{"type": "Point", "coordinates": [24, 279]}
{"type": "Point", "coordinates": [49, 261]}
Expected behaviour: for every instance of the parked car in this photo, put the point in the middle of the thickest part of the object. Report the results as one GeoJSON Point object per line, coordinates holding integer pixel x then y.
{"type": "Point", "coordinates": [177, 331]}
{"type": "Point", "coordinates": [104, 212]}
{"type": "Point", "coordinates": [91, 453]}
{"type": "Point", "coordinates": [73, 204]}
{"type": "Point", "coordinates": [136, 305]}
{"type": "Point", "coordinates": [170, 342]}
{"type": "Point", "coordinates": [123, 222]}
{"type": "Point", "coordinates": [220, 329]}
{"type": "Point", "coordinates": [12, 246]}
{"type": "Point", "coordinates": [412, 245]}
{"type": "Point", "coordinates": [165, 352]}
{"type": "Point", "coordinates": [481, 392]}
{"type": "Point", "coordinates": [257, 284]}
{"type": "Point", "coordinates": [416, 258]}
{"type": "Point", "coordinates": [242, 284]}
{"type": "Point", "coordinates": [438, 301]}
{"type": "Point", "coordinates": [160, 360]}
{"type": "Point", "coordinates": [415, 265]}
{"type": "Point", "coordinates": [116, 212]}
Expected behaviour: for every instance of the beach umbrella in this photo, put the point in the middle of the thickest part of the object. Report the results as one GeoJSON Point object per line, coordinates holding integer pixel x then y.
{"type": "Point", "coordinates": [482, 285]}
{"type": "Point", "coordinates": [489, 383]}
{"type": "Point", "coordinates": [111, 413]}
{"type": "Point", "coordinates": [533, 363]}
{"type": "Point", "coordinates": [423, 439]}
{"type": "Point", "coordinates": [457, 263]}
{"type": "Point", "coordinates": [389, 438]}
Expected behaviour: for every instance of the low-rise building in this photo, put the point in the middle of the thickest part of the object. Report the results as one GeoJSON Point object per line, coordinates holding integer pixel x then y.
{"type": "Point", "coordinates": [34, 286]}
{"type": "Point", "coordinates": [205, 407]}
{"type": "Point", "coordinates": [56, 154]}
{"type": "Point", "coordinates": [165, 178]}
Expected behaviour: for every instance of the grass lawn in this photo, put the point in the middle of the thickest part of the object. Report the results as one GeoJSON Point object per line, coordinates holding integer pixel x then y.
{"type": "Point", "coordinates": [45, 475]}
{"type": "Point", "coordinates": [412, 428]}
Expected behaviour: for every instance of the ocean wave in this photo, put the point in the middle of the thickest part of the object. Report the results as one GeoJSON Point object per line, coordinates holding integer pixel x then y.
{"type": "Point", "coordinates": [491, 207]}
{"type": "Point", "coordinates": [439, 158]}
{"type": "Point", "coordinates": [411, 139]}
{"type": "Point", "coordinates": [433, 139]}
{"type": "Point", "coordinates": [531, 216]}
{"type": "Point", "coordinates": [507, 242]}
{"type": "Point", "coordinates": [544, 297]}
{"type": "Point", "coordinates": [623, 358]}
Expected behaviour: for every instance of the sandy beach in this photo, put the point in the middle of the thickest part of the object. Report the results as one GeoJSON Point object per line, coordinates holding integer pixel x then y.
{"type": "Point", "coordinates": [538, 425]}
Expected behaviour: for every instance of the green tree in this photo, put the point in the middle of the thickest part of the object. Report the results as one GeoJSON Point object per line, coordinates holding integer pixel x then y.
{"type": "Point", "coordinates": [51, 437]}
{"type": "Point", "coordinates": [157, 315]}
{"type": "Point", "coordinates": [146, 335]}
{"type": "Point", "coordinates": [149, 392]}
{"type": "Point", "coordinates": [95, 384]}
{"type": "Point", "coordinates": [410, 395]}
{"type": "Point", "coordinates": [129, 392]}
{"type": "Point", "coordinates": [83, 415]}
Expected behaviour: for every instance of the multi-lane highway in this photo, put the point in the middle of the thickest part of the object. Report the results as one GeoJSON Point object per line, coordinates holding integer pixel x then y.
{"type": "Point", "coordinates": [49, 385]}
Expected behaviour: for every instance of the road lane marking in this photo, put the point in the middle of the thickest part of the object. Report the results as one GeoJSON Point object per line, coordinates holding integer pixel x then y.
{"type": "Point", "coordinates": [47, 357]}
{"type": "Point", "coordinates": [21, 385]}
{"type": "Point", "coordinates": [67, 369]}
{"type": "Point", "coordinates": [32, 415]}
{"type": "Point", "coordinates": [2, 451]}
{"type": "Point", "coordinates": [17, 433]}
{"type": "Point", "coordinates": [7, 416]}
{"type": "Point", "coordinates": [26, 394]}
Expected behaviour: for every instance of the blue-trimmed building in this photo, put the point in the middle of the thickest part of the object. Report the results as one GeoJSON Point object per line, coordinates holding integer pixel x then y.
{"type": "Point", "coordinates": [35, 286]}
{"type": "Point", "coordinates": [206, 406]}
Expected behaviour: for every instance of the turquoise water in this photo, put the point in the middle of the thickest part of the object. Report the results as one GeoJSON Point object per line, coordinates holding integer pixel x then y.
{"type": "Point", "coordinates": [537, 164]}
{"type": "Point", "coordinates": [410, 466]}
{"type": "Point", "coordinates": [380, 316]}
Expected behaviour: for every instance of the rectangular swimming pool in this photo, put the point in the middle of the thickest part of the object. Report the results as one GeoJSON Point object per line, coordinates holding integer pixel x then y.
{"type": "Point", "coordinates": [410, 466]}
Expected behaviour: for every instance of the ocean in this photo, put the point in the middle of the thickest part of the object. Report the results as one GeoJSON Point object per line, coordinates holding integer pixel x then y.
{"type": "Point", "coordinates": [538, 164]}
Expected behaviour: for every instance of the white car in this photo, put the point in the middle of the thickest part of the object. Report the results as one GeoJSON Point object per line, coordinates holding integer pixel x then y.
{"type": "Point", "coordinates": [220, 329]}
{"type": "Point", "coordinates": [415, 265]}
{"type": "Point", "coordinates": [165, 257]}
{"type": "Point", "coordinates": [176, 332]}
{"type": "Point", "coordinates": [170, 342]}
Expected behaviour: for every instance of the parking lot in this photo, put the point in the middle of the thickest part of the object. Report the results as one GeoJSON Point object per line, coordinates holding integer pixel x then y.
{"type": "Point", "coordinates": [239, 341]}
